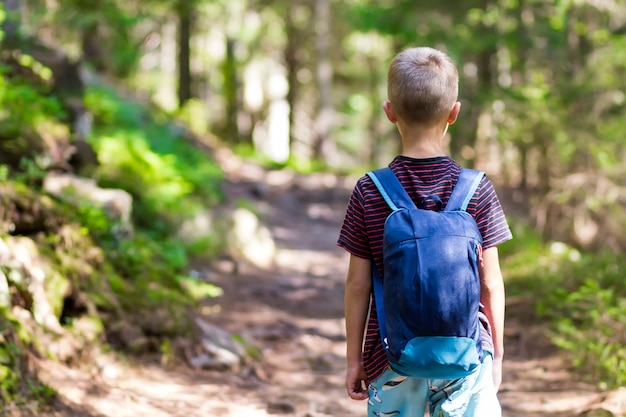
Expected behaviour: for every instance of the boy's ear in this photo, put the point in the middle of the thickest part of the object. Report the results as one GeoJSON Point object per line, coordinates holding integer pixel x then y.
{"type": "Point", "coordinates": [454, 112]}
{"type": "Point", "coordinates": [391, 115]}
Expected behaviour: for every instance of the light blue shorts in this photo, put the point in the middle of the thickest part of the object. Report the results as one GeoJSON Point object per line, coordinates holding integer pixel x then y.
{"type": "Point", "coordinates": [395, 395]}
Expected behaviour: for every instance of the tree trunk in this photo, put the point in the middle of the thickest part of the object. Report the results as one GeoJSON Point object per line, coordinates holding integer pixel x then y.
{"type": "Point", "coordinates": [12, 22]}
{"type": "Point", "coordinates": [373, 146]}
{"type": "Point", "coordinates": [291, 61]}
{"type": "Point", "coordinates": [484, 64]}
{"type": "Point", "coordinates": [184, 54]}
{"type": "Point", "coordinates": [91, 46]}
{"type": "Point", "coordinates": [229, 71]}
{"type": "Point", "coordinates": [323, 147]}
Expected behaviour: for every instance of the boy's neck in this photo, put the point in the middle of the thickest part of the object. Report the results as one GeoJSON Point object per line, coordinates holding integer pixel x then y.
{"type": "Point", "coordinates": [420, 142]}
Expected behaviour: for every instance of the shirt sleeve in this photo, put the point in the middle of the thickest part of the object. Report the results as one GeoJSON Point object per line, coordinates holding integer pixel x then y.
{"type": "Point", "coordinates": [490, 216]}
{"type": "Point", "coordinates": [353, 235]}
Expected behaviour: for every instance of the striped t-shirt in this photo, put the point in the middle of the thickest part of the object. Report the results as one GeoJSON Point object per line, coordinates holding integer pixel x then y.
{"type": "Point", "coordinates": [362, 230]}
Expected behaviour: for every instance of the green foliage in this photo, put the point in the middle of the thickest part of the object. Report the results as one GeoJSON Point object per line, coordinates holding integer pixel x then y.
{"type": "Point", "coordinates": [199, 290]}
{"type": "Point", "coordinates": [28, 112]}
{"type": "Point", "coordinates": [170, 180]}
{"type": "Point", "coordinates": [141, 256]}
{"type": "Point", "coordinates": [583, 297]}
{"type": "Point", "coordinates": [149, 156]}
{"type": "Point", "coordinates": [24, 106]}
{"type": "Point", "coordinates": [541, 82]}
{"type": "Point", "coordinates": [143, 271]}
{"type": "Point", "coordinates": [588, 308]}
{"type": "Point", "coordinates": [195, 116]}
{"type": "Point", "coordinates": [30, 170]}
{"type": "Point", "coordinates": [105, 29]}
{"type": "Point", "coordinates": [252, 351]}
{"type": "Point", "coordinates": [204, 246]}
{"type": "Point", "coordinates": [138, 276]}
{"type": "Point", "coordinates": [593, 331]}
{"type": "Point", "coordinates": [522, 257]}
{"type": "Point", "coordinates": [4, 173]}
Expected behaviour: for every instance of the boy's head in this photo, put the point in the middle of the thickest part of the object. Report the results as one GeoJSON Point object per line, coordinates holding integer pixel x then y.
{"type": "Point", "coordinates": [422, 86]}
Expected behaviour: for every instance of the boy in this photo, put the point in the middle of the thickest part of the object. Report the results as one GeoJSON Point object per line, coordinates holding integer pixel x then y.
{"type": "Point", "coordinates": [422, 101]}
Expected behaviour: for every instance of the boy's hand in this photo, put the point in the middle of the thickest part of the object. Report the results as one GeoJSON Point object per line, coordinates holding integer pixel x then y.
{"type": "Point", "coordinates": [356, 382]}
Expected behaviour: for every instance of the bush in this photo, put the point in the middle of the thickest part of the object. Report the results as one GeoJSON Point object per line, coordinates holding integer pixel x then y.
{"type": "Point", "coordinates": [581, 295]}
{"type": "Point", "coordinates": [168, 177]}
{"type": "Point", "coordinates": [144, 274]}
{"type": "Point", "coordinates": [588, 310]}
{"type": "Point", "coordinates": [26, 110]}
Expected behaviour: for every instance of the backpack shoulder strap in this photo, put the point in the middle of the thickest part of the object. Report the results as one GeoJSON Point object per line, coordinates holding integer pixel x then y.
{"type": "Point", "coordinates": [464, 190]}
{"type": "Point", "coordinates": [379, 301]}
{"type": "Point", "coordinates": [392, 191]}
{"type": "Point", "coordinates": [396, 197]}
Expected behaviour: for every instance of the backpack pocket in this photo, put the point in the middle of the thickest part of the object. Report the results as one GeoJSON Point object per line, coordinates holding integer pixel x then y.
{"type": "Point", "coordinates": [438, 357]}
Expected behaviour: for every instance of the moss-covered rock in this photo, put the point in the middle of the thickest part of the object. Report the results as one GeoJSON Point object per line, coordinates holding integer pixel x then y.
{"type": "Point", "coordinates": [75, 282]}
{"type": "Point", "coordinates": [38, 287]}
{"type": "Point", "coordinates": [18, 379]}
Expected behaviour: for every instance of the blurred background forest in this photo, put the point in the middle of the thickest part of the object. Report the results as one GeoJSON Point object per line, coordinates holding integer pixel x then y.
{"type": "Point", "coordinates": [127, 92]}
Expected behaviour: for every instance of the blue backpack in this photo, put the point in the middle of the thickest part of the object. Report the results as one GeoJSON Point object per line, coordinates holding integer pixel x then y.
{"type": "Point", "coordinates": [429, 299]}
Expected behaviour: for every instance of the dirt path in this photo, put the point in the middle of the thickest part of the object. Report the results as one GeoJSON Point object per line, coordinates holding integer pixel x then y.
{"type": "Point", "coordinates": [293, 315]}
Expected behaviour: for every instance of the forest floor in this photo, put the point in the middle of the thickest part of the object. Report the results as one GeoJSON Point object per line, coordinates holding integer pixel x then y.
{"type": "Point", "coordinates": [293, 314]}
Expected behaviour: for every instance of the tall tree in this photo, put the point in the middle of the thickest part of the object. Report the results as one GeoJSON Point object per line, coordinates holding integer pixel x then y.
{"type": "Point", "coordinates": [185, 12]}
{"type": "Point", "coordinates": [323, 145]}
{"type": "Point", "coordinates": [231, 91]}
{"type": "Point", "coordinates": [291, 60]}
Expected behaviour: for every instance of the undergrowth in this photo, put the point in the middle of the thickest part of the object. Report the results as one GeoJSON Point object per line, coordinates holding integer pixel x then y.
{"type": "Point", "coordinates": [143, 152]}
{"type": "Point", "coordinates": [582, 297]}
{"type": "Point", "coordinates": [138, 276]}
{"type": "Point", "coordinates": [146, 154]}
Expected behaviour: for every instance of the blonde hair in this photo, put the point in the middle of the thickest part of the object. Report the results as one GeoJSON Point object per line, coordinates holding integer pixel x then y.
{"type": "Point", "coordinates": [422, 85]}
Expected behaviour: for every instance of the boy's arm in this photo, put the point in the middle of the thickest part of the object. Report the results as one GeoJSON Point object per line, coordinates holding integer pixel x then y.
{"type": "Point", "coordinates": [493, 299]}
{"type": "Point", "coordinates": [357, 303]}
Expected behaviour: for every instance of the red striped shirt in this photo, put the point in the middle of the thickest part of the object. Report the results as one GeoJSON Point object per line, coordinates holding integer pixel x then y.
{"type": "Point", "coordinates": [362, 230]}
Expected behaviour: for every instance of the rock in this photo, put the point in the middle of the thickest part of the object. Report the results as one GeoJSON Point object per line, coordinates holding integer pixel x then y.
{"type": "Point", "coordinates": [88, 328]}
{"type": "Point", "coordinates": [613, 405]}
{"type": "Point", "coordinates": [199, 227]}
{"type": "Point", "coordinates": [118, 204]}
{"type": "Point", "coordinates": [109, 371]}
{"type": "Point", "coordinates": [219, 348]}
{"type": "Point", "coordinates": [240, 231]}
{"type": "Point", "coordinates": [251, 240]}
{"type": "Point", "coordinates": [126, 334]}
{"type": "Point", "coordinates": [41, 288]}
{"type": "Point", "coordinates": [162, 320]}
{"type": "Point", "coordinates": [66, 348]}
{"type": "Point", "coordinates": [5, 295]}
{"type": "Point", "coordinates": [281, 407]}
{"type": "Point", "coordinates": [598, 412]}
